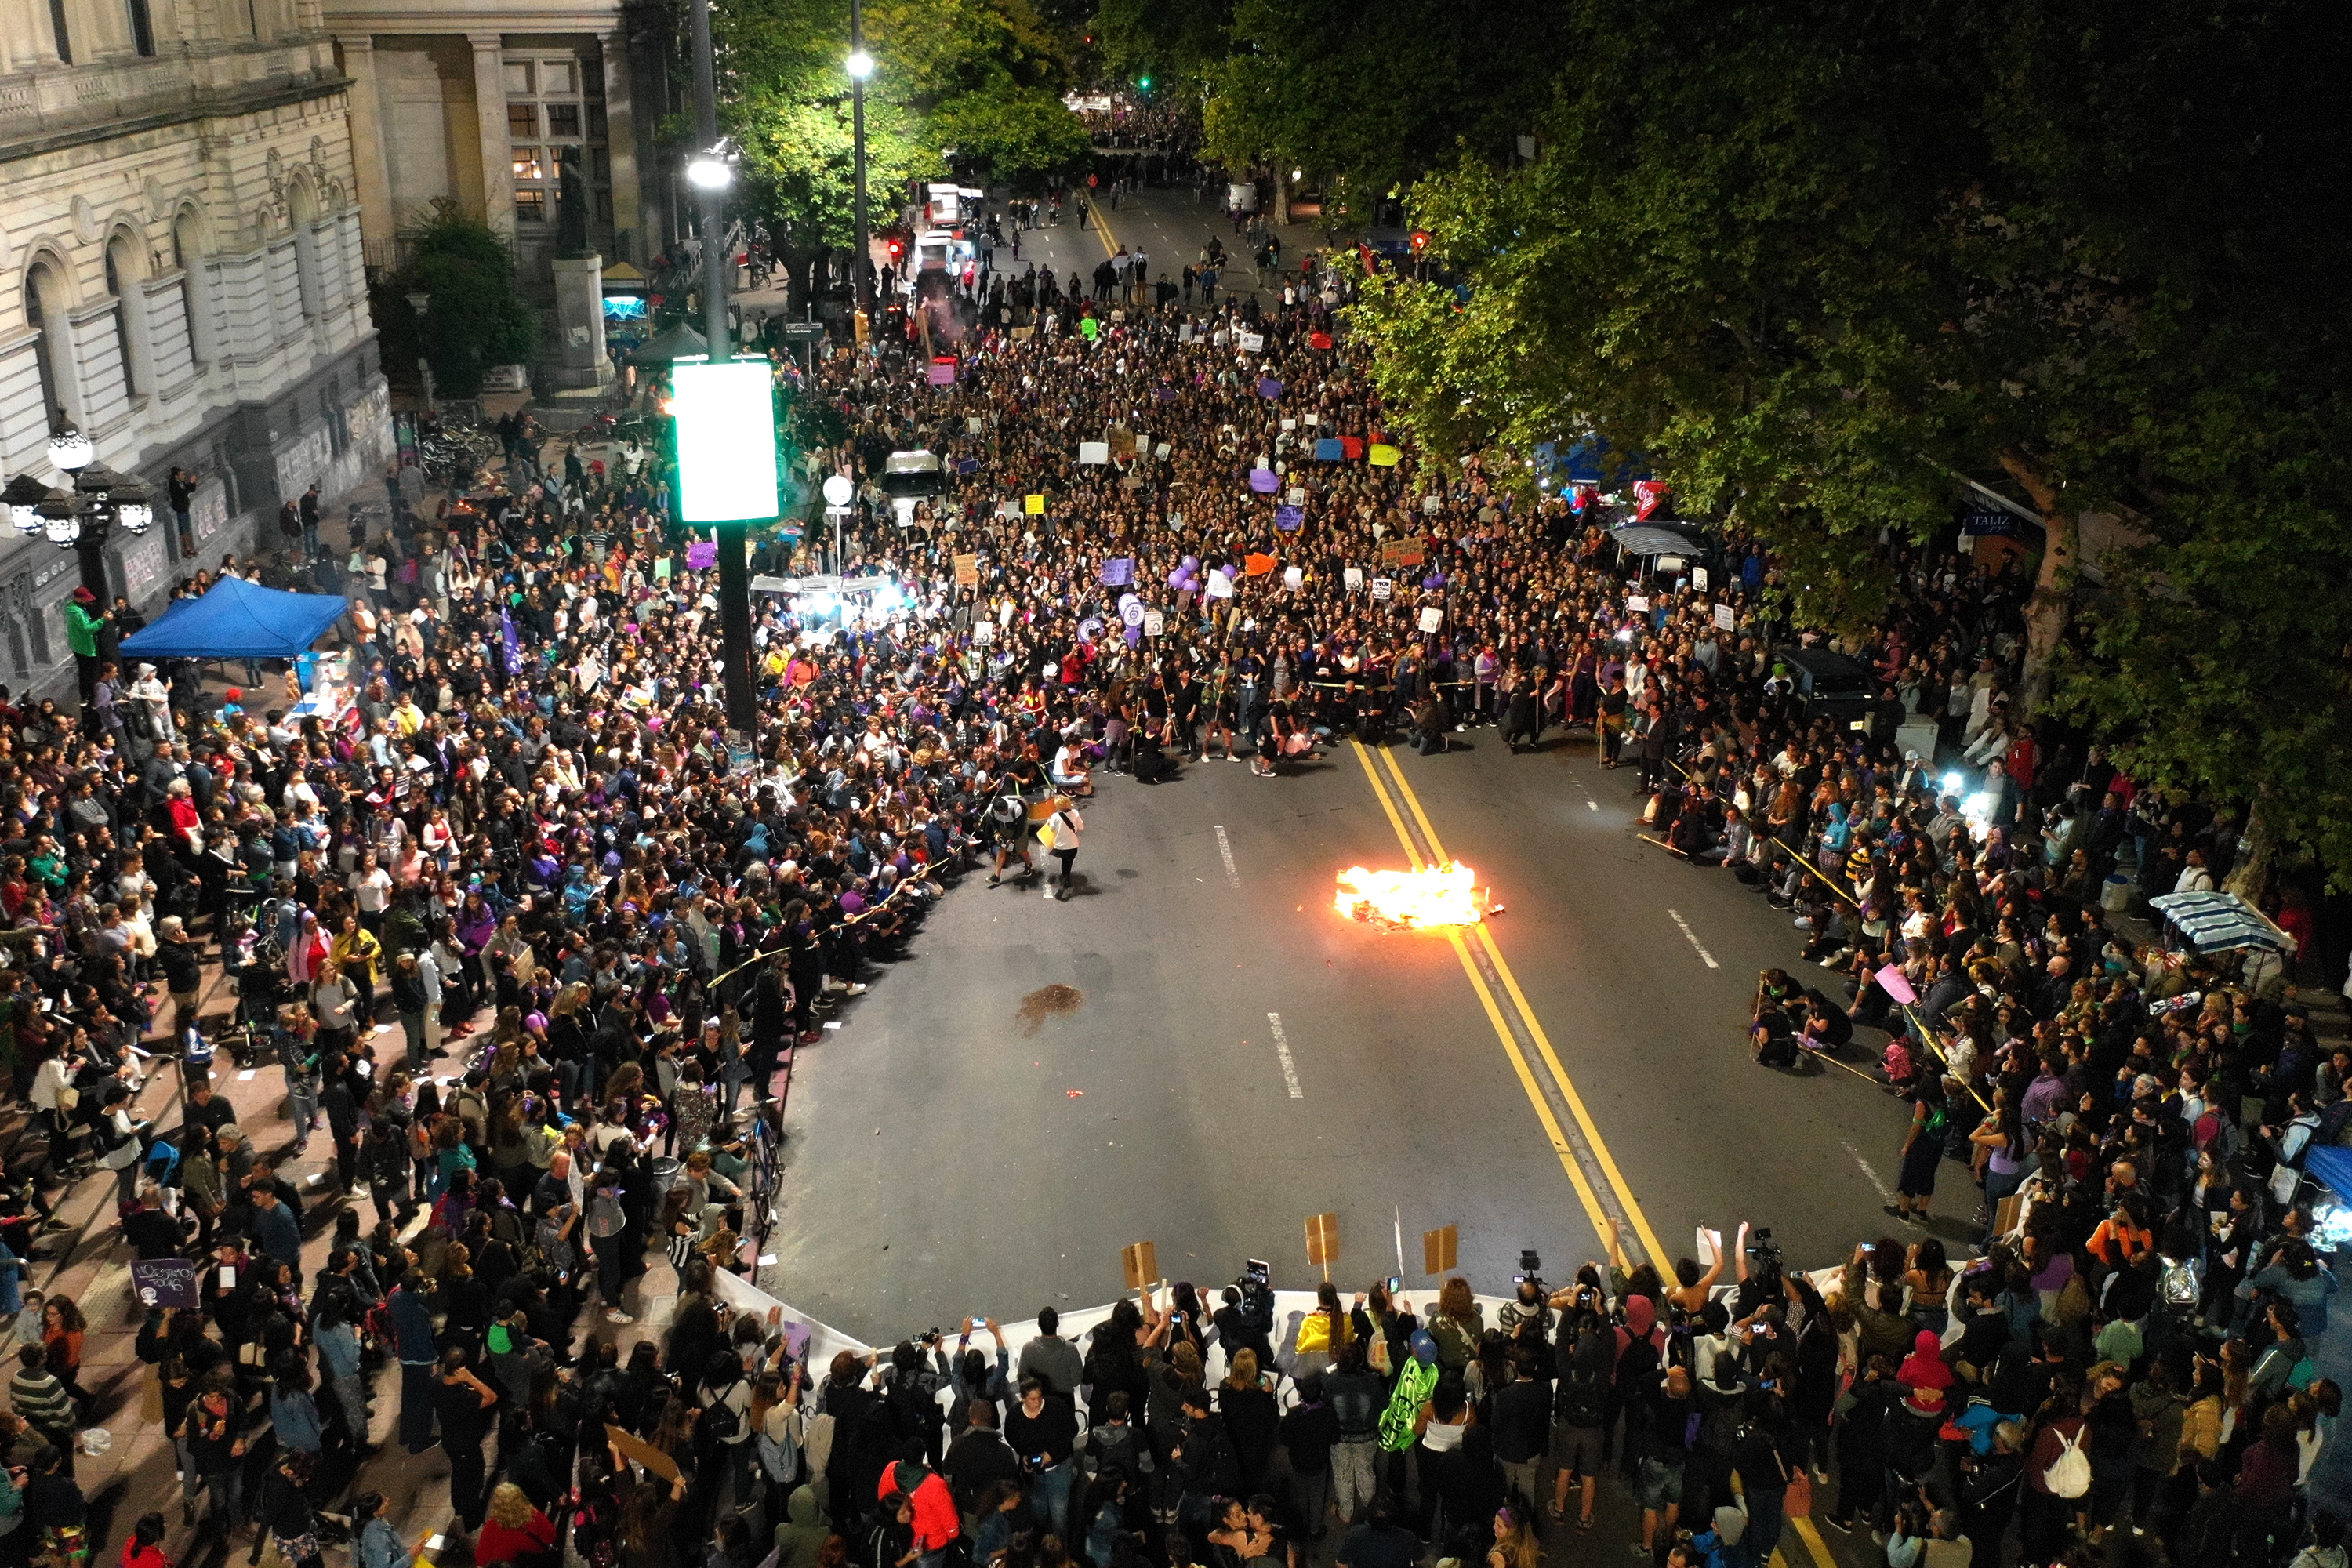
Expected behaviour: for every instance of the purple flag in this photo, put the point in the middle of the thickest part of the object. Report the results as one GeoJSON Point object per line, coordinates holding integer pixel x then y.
{"type": "Point", "coordinates": [1288, 518]}
{"type": "Point", "coordinates": [701, 555]}
{"type": "Point", "coordinates": [1118, 572]}
{"type": "Point", "coordinates": [510, 642]}
{"type": "Point", "coordinates": [1265, 481]}
{"type": "Point", "coordinates": [1268, 388]}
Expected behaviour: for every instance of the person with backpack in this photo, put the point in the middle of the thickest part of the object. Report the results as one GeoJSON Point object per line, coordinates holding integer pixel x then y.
{"type": "Point", "coordinates": [1586, 1362]}
{"type": "Point", "coordinates": [1719, 1406]}
{"type": "Point", "coordinates": [2057, 1478]}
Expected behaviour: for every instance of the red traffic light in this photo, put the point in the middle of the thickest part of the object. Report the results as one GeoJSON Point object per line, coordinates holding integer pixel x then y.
{"type": "Point", "coordinates": [898, 248]}
{"type": "Point", "coordinates": [1421, 239]}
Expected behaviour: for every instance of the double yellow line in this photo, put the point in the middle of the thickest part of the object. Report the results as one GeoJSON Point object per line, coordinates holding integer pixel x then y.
{"type": "Point", "coordinates": [1572, 1152]}
{"type": "Point", "coordinates": [1571, 1157]}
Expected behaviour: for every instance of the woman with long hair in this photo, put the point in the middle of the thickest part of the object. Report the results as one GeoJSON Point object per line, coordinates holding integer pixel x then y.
{"type": "Point", "coordinates": [516, 1531]}
{"type": "Point", "coordinates": [1923, 1150]}
{"type": "Point", "coordinates": [1514, 1544]}
{"type": "Point", "coordinates": [648, 1520]}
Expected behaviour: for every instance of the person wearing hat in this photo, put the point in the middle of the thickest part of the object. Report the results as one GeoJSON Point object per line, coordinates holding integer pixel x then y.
{"type": "Point", "coordinates": [87, 628]}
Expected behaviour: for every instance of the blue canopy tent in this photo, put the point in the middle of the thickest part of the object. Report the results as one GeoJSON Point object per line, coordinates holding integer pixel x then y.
{"type": "Point", "coordinates": [238, 620]}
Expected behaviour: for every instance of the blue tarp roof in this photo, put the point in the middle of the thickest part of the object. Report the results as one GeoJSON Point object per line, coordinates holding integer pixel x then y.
{"type": "Point", "coordinates": [237, 620]}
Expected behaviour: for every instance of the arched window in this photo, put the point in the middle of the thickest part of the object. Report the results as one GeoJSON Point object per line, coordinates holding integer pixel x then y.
{"type": "Point", "coordinates": [124, 267]}
{"type": "Point", "coordinates": [304, 207]}
{"type": "Point", "coordinates": [44, 314]}
{"type": "Point", "coordinates": [188, 252]}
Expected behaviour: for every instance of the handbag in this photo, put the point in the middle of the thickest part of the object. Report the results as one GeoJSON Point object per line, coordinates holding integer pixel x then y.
{"type": "Point", "coordinates": [1797, 1502]}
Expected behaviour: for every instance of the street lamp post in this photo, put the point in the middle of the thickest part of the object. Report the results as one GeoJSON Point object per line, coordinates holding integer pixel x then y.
{"type": "Point", "coordinates": [710, 173]}
{"type": "Point", "coordinates": [81, 515]}
{"type": "Point", "coordinates": [860, 66]}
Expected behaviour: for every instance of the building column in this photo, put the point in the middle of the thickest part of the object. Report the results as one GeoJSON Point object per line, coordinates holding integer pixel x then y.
{"type": "Point", "coordinates": [621, 148]}
{"type": "Point", "coordinates": [370, 173]}
{"type": "Point", "coordinates": [497, 146]}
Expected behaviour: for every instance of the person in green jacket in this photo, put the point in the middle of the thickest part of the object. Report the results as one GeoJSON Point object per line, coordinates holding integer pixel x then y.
{"type": "Point", "coordinates": [85, 624]}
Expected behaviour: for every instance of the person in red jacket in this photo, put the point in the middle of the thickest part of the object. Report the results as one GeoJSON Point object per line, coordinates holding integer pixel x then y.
{"type": "Point", "coordinates": [515, 1531]}
{"type": "Point", "coordinates": [145, 1547]}
{"type": "Point", "coordinates": [937, 1520]}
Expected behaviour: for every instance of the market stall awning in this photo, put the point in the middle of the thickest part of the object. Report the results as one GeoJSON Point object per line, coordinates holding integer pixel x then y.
{"type": "Point", "coordinates": [1642, 539]}
{"type": "Point", "coordinates": [238, 619]}
{"type": "Point", "coordinates": [2219, 922]}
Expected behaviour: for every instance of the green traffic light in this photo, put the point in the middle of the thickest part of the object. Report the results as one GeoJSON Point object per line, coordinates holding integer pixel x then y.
{"type": "Point", "coordinates": [1145, 84]}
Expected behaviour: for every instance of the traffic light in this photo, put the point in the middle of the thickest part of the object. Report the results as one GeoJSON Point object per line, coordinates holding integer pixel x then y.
{"type": "Point", "coordinates": [897, 249]}
{"type": "Point", "coordinates": [1145, 84]}
{"type": "Point", "coordinates": [1419, 240]}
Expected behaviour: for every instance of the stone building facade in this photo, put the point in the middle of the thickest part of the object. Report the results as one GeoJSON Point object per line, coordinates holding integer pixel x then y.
{"type": "Point", "coordinates": [181, 277]}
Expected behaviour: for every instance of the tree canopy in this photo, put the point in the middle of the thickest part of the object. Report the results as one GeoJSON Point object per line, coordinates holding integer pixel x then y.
{"type": "Point", "coordinates": [478, 317]}
{"type": "Point", "coordinates": [1818, 260]}
{"type": "Point", "coordinates": [982, 76]}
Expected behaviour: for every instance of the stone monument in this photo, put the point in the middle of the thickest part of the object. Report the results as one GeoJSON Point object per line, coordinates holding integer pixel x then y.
{"type": "Point", "coordinates": [578, 365]}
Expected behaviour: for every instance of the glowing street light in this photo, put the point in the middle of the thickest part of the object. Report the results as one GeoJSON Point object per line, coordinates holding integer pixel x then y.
{"type": "Point", "coordinates": [860, 64]}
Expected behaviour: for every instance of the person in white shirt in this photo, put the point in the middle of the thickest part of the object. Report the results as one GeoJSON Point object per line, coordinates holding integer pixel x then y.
{"type": "Point", "coordinates": [371, 886]}
{"type": "Point", "coordinates": [1059, 834]}
{"type": "Point", "coordinates": [2194, 878]}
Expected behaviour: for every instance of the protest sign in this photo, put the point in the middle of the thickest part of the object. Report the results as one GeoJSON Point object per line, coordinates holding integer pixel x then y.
{"type": "Point", "coordinates": [967, 570]}
{"type": "Point", "coordinates": [1094, 453]}
{"type": "Point", "coordinates": [165, 1282]}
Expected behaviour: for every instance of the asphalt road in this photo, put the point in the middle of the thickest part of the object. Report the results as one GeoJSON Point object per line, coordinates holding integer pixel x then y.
{"type": "Point", "coordinates": [946, 1157]}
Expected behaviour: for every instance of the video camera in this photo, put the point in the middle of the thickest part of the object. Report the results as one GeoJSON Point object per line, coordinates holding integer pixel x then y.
{"type": "Point", "coordinates": [1531, 1273]}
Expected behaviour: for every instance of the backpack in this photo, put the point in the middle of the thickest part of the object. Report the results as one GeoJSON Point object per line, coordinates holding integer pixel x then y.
{"type": "Point", "coordinates": [2069, 1475]}
{"type": "Point", "coordinates": [1898, 1062]}
{"type": "Point", "coordinates": [2333, 1122]}
{"type": "Point", "coordinates": [1580, 1400]}
{"type": "Point", "coordinates": [1721, 1432]}
{"type": "Point", "coordinates": [2177, 1284]}
{"type": "Point", "coordinates": [719, 1422]}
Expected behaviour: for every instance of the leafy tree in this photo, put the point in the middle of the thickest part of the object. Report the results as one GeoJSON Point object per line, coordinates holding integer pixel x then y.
{"type": "Point", "coordinates": [983, 77]}
{"type": "Point", "coordinates": [1362, 96]}
{"type": "Point", "coordinates": [478, 317]}
{"type": "Point", "coordinates": [1818, 260]}
{"type": "Point", "coordinates": [1176, 45]}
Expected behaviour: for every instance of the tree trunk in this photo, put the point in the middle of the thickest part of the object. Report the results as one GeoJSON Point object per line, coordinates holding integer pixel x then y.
{"type": "Point", "coordinates": [2250, 874]}
{"type": "Point", "coordinates": [1281, 196]}
{"type": "Point", "coordinates": [2053, 584]}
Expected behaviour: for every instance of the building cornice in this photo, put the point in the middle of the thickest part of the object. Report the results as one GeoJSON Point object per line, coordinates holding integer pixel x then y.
{"type": "Point", "coordinates": [414, 19]}
{"type": "Point", "coordinates": [242, 103]}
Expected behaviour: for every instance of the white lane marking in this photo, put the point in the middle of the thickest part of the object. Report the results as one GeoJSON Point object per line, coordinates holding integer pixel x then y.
{"type": "Point", "coordinates": [1875, 1180]}
{"type": "Point", "coordinates": [1282, 1049]}
{"type": "Point", "coordinates": [1225, 849]}
{"type": "Point", "coordinates": [1675, 915]}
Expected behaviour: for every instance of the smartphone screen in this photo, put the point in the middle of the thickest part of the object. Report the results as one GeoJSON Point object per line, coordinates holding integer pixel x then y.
{"type": "Point", "coordinates": [1396, 1283]}
{"type": "Point", "coordinates": [228, 1277]}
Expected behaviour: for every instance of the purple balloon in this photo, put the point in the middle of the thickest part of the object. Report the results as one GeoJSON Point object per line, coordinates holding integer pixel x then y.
{"type": "Point", "coordinates": [1176, 578]}
{"type": "Point", "coordinates": [1191, 563]}
{"type": "Point", "coordinates": [1435, 580]}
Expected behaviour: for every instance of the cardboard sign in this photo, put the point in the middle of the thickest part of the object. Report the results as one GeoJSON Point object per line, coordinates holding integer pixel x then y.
{"type": "Point", "coordinates": [1298, 496]}
{"type": "Point", "coordinates": [1440, 1249]}
{"type": "Point", "coordinates": [1250, 343]}
{"type": "Point", "coordinates": [967, 570]}
{"type": "Point", "coordinates": [942, 373]}
{"type": "Point", "coordinates": [1382, 588]}
{"type": "Point", "coordinates": [1432, 617]}
{"type": "Point", "coordinates": [1405, 552]}
{"type": "Point", "coordinates": [1289, 518]}
{"type": "Point", "coordinates": [1892, 981]}
{"type": "Point", "coordinates": [1294, 578]}
{"type": "Point", "coordinates": [1139, 1263]}
{"type": "Point", "coordinates": [1220, 586]}
{"type": "Point", "coordinates": [1353, 576]}
{"type": "Point", "coordinates": [165, 1282]}
{"type": "Point", "coordinates": [1323, 1239]}
{"type": "Point", "coordinates": [1154, 623]}
{"type": "Point", "coordinates": [1094, 453]}
{"type": "Point", "coordinates": [1122, 442]}
{"type": "Point", "coordinates": [1723, 619]}
{"type": "Point", "coordinates": [634, 1447]}
{"type": "Point", "coordinates": [1033, 505]}
{"type": "Point", "coordinates": [1698, 578]}
{"type": "Point", "coordinates": [1637, 606]}
{"type": "Point", "coordinates": [983, 633]}
{"type": "Point", "coordinates": [1118, 572]}
{"type": "Point", "coordinates": [1432, 503]}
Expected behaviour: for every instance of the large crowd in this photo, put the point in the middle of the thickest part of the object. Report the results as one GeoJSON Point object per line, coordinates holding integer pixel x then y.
{"type": "Point", "coordinates": [601, 932]}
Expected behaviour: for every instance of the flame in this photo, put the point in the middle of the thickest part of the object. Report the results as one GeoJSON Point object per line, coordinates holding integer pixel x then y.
{"type": "Point", "coordinates": [1415, 900]}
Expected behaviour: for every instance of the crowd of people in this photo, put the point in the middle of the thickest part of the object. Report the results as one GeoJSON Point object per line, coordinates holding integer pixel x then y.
{"type": "Point", "coordinates": [531, 846]}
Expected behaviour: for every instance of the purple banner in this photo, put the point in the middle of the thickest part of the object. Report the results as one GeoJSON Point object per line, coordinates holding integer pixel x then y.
{"type": "Point", "coordinates": [1268, 388]}
{"type": "Point", "coordinates": [944, 374]}
{"type": "Point", "coordinates": [701, 555]}
{"type": "Point", "coordinates": [1288, 518]}
{"type": "Point", "coordinates": [1118, 572]}
{"type": "Point", "coordinates": [1265, 481]}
